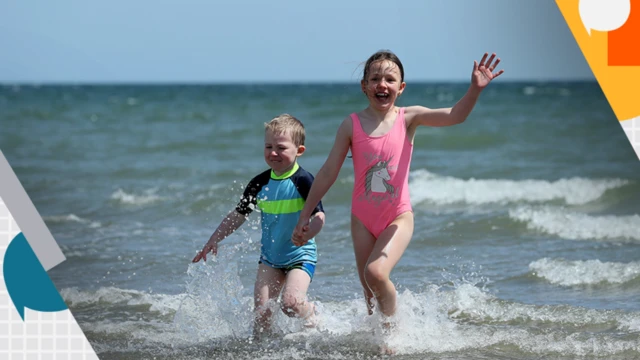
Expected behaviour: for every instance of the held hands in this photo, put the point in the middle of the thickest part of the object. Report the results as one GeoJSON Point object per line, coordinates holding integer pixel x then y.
{"type": "Point", "coordinates": [300, 234]}
{"type": "Point", "coordinates": [210, 246]}
{"type": "Point", "coordinates": [483, 73]}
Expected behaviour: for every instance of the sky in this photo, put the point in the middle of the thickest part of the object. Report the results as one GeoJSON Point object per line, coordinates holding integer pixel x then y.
{"type": "Point", "coordinates": [189, 41]}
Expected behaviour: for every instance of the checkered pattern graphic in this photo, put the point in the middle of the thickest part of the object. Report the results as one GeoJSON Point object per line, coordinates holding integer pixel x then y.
{"type": "Point", "coordinates": [632, 129]}
{"type": "Point", "coordinates": [42, 335]}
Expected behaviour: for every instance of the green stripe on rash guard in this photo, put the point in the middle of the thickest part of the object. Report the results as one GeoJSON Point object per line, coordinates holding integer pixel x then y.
{"type": "Point", "coordinates": [287, 174]}
{"type": "Point", "coordinates": [281, 206]}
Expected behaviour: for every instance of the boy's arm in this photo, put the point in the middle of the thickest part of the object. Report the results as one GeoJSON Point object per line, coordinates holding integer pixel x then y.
{"type": "Point", "coordinates": [481, 76]}
{"type": "Point", "coordinates": [316, 222]}
{"type": "Point", "coordinates": [227, 226]}
{"type": "Point", "coordinates": [235, 218]}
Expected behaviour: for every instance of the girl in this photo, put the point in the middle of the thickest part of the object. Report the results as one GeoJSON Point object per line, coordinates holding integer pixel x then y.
{"type": "Point", "coordinates": [380, 138]}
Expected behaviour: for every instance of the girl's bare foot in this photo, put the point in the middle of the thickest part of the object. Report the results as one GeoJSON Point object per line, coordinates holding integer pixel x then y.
{"type": "Point", "coordinates": [386, 350]}
{"type": "Point", "coordinates": [387, 328]}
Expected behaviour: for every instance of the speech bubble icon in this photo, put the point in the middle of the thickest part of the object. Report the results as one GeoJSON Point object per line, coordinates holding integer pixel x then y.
{"type": "Point", "coordinates": [27, 282]}
{"type": "Point", "coordinates": [604, 15]}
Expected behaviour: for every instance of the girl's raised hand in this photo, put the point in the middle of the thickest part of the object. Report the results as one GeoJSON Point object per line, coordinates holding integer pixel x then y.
{"type": "Point", "coordinates": [483, 73]}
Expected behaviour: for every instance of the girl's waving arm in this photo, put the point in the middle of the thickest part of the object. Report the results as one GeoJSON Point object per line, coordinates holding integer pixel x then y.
{"type": "Point", "coordinates": [481, 76]}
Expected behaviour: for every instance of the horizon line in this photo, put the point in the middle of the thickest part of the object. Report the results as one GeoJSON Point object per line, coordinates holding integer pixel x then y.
{"type": "Point", "coordinates": [267, 82]}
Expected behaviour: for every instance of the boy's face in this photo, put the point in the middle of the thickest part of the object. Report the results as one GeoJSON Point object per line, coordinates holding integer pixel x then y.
{"type": "Point", "coordinates": [280, 152]}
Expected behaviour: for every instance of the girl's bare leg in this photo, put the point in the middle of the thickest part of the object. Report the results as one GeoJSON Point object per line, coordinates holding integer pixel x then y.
{"type": "Point", "coordinates": [386, 253]}
{"type": "Point", "coordinates": [363, 243]}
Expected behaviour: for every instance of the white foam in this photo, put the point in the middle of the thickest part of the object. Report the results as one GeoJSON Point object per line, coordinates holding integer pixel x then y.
{"type": "Point", "coordinates": [158, 302]}
{"type": "Point", "coordinates": [468, 318]}
{"type": "Point", "coordinates": [588, 272]}
{"type": "Point", "coordinates": [71, 218]}
{"type": "Point", "coordinates": [148, 197]}
{"type": "Point", "coordinates": [432, 321]}
{"type": "Point", "coordinates": [576, 226]}
{"type": "Point", "coordinates": [470, 302]}
{"type": "Point", "coordinates": [632, 324]}
{"type": "Point", "coordinates": [216, 309]}
{"type": "Point", "coordinates": [427, 186]}
{"type": "Point", "coordinates": [215, 286]}
{"type": "Point", "coordinates": [576, 344]}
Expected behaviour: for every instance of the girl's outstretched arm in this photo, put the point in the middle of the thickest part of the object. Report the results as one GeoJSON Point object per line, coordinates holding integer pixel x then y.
{"type": "Point", "coordinates": [481, 76]}
{"type": "Point", "coordinates": [327, 175]}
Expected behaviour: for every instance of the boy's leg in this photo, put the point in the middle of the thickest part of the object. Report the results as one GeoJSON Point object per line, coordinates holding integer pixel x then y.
{"type": "Point", "coordinates": [269, 282]}
{"type": "Point", "coordinates": [363, 243]}
{"type": "Point", "coordinates": [294, 296]}
{"type": "Point", "coordinates": [387, 251]}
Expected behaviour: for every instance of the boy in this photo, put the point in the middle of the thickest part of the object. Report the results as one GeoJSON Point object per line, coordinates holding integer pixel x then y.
{"type": "Point", "coordinates": [280, 194]}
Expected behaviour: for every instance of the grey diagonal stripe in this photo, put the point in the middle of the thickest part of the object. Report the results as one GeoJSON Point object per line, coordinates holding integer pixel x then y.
{"type": "Point", "coordinates": [28, 218]}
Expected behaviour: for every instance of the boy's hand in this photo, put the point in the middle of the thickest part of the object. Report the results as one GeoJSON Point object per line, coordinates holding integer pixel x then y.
{"type": "Point", "coordinates": [300, 236]}
{"type": "Point", "coordinates": [300, 239]}
{"type": "Point", "coordinates": [209, 247]}
{"type": "Point", "coordinates": [483, 73]}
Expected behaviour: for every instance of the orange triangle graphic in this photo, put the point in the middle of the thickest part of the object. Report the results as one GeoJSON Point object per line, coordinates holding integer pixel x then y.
{"type": "Point", "coordinates": [614, 56]}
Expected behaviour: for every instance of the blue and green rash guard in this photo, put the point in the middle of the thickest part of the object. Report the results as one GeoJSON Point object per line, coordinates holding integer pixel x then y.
{"type": "Point", "coordinates": [280, 200]}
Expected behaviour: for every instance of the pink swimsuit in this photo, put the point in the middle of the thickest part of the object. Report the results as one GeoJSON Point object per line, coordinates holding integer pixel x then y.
{"type": "Point", "coordinates": [381, 166]}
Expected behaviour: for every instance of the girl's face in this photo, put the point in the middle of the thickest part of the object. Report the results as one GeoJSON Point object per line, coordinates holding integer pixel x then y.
{"type": "Point", "coordinates": [383, 85]}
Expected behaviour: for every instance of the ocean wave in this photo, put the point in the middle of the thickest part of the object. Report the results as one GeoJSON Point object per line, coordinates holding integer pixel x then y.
{"type": "Point", "coordinates": [444, 190]}
{"type": "Point", "coordinates": [473, 303]}
{"type": "Point", "coordinates": [148, 197]}
{"type": "Point", "coordinates": [577, 226]}
{"type": "Point", "coordinates": [431, 321]}
{"type": "Point", "coordinates": [588, 272]}
{"type": "Point", "coordinates": [71, 218]}
{"type": "Point", "coordinates": [161, 303]}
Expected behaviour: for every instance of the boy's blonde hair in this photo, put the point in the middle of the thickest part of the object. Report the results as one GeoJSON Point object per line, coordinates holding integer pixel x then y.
{"type": "Point", "coordinates": [286, 123]}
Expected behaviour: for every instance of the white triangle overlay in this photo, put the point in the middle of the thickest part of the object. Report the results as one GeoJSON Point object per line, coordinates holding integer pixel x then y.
{"type": "Point", "coordinates": [51, 335]}
{"type": "Point", "coordinates": [632, 129]}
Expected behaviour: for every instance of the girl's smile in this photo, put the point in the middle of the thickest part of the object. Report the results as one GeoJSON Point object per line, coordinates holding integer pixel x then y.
{"type": "Point", "coordinates": [383, 85]}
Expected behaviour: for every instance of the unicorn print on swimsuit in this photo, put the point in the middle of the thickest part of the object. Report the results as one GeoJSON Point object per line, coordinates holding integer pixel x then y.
{"type": "Point", "coordinates": [377, 186]}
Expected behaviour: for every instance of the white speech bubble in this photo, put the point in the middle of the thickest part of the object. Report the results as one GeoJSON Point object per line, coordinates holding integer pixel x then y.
{"type": "Point", "coordinates": [604, 15]}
